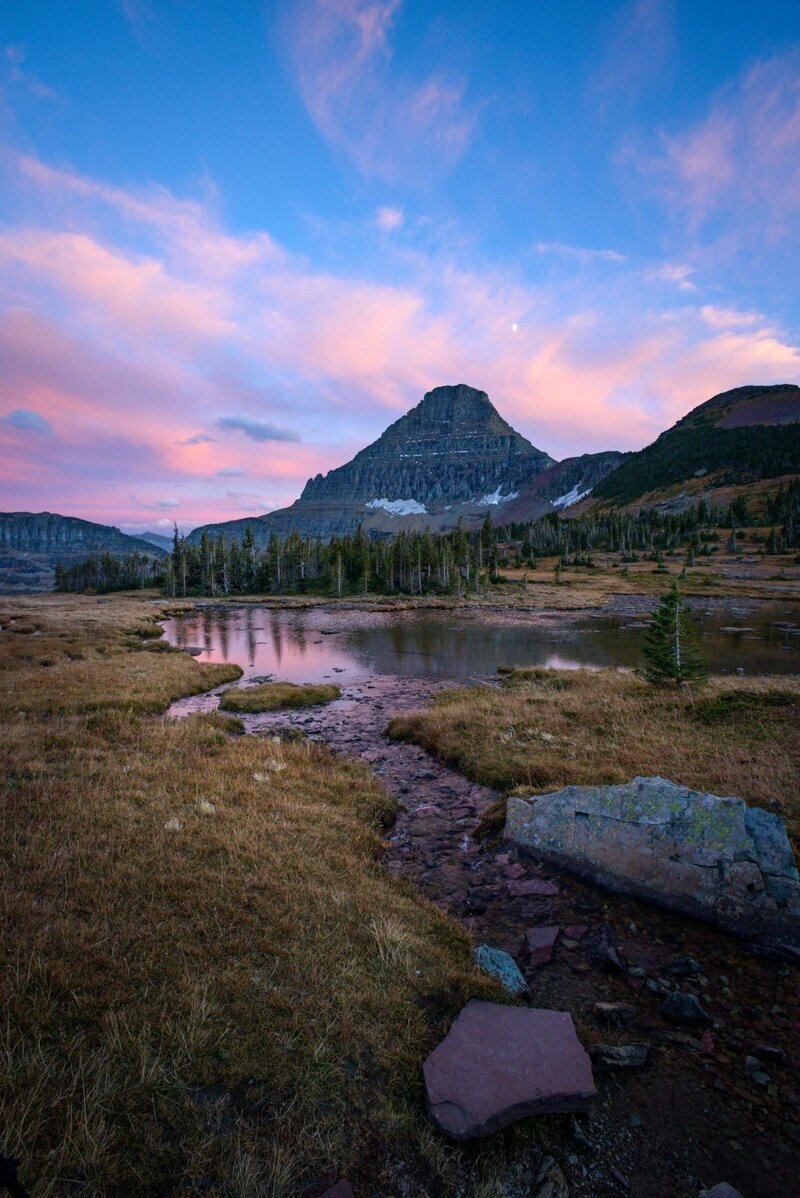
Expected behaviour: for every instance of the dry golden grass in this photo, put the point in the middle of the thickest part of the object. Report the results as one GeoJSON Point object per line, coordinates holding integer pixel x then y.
{"type": "Point", "coordinates": [544, 729]}
{"type": "Point", "coordinates": [273, 696]}
{"type": "Point", "coordinates": [209, 982]}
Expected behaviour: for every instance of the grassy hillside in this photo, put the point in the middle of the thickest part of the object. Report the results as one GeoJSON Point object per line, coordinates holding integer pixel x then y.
{"type": "Point", "coordinates": [740, 455]}
{"type": "Point", "coordinates": [210, 985]}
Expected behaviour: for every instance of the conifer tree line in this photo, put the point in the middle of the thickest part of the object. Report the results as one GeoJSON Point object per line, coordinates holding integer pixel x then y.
{"type": "Point", "coordinates": [456, 562]}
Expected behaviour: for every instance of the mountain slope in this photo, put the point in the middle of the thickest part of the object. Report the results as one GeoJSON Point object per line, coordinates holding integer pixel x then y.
{"type": "Point", "coordinates": [739, 436]}
{"type": "Point", "coordinates": [452, 455]}
{"type": "Point", "coordinates": [32, 543]}
{"type": "Point", "coordinates": [560, 486]}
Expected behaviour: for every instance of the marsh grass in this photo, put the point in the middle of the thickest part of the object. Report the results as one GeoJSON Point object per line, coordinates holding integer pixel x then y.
{"type": "Point", "coordinates": [544, 729]}
{"type": "Point", "coordinates": [209, 982]}
{"type": "Point", "coordinates": [273, 696]}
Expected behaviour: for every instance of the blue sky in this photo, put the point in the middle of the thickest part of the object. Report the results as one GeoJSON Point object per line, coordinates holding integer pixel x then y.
{"type": "Point", "coordinates": [237, 240]}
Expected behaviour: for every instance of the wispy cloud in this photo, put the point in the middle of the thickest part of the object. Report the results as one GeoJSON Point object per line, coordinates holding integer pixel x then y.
{"type": "Point", "coordinates": [257, 430]}
{"type": "Point", "coordinates": [17, 73]}
{"type": "Point", "coordinates": [391, 124]}
{"type": "Point", "coordinates": [389, 219]}
{"type": "Point", "coordinates": [740, 165]}
{"type": "Point", "coordinates": [578, 253]}
{"type": "Point", "coordinates": [196, 439]}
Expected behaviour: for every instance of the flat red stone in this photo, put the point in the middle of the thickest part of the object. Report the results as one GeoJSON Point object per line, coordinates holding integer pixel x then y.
{"type": "Point", "coordinates": [532, 886]}
{"type": "Point", "coordinates": [540, 942]}
{"type": "Point", "coordinates": [499, 1064]}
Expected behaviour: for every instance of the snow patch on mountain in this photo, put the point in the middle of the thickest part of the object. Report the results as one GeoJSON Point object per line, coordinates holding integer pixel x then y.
{"type": "Point", "coordinates": [495, 497]}
{"type": "Point", "coordinates": [399, 507]}
{"type": "Point", "coordinates": [573, 496]}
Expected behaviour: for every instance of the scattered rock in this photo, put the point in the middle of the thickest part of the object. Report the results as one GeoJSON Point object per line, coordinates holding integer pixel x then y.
{"type": "Point", "coordinates": [620, 1056]}
{"type": "Point", "coordinates": [550, 1181]}
{"type": "Point", "coordinates": [685, 1011]}
{"type": "Point", "coordinates": [605, 953]}
{"type": "Point", "coordinates": [683, 967]}
{"type": "Point", "coordinates": [499, 1064]}
{"type": "Point", "coordinates": [502, 966]}
{"type": "Point", "coordinates": [708, 856]}
{"type": "Point", "coordinates": [540, 942]}
{"type": "Point", "coordinates": [519, 889]}
{"type": "Point", "coordinates": [770, 1052]}
{"type": "Point", "coordinates": [723, 1190]}
{"type": "Point", "coordinates": [707, 1045]}
{"type": "Point", "coordinates": [618, 1014]}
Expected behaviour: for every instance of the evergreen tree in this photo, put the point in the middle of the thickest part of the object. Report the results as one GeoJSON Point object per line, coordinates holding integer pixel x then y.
{"type": "Point", "coordinates": [669, 644]}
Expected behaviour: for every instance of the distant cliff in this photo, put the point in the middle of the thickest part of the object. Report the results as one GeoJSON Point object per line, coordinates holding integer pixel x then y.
{"type": "Point", "coordinates": [32, 543]}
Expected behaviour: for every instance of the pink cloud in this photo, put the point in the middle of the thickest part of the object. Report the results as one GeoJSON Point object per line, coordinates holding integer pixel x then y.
{"type": "Point", "coordinates": [139, 358]}
{"type": "Point", "coordinates": [742, 161]}
{"type": "Point", "coordinates": [391, 125]}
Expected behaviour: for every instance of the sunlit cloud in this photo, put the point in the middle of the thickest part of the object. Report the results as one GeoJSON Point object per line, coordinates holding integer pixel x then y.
{"type": "Point", "coordinates": [389, 219]}
{"type": "Point", "coordinates": [391, 124]}
{"type": "Point", "coordinates": [128, 340]}
{"type": "Point", "coordinates": [739, 165]}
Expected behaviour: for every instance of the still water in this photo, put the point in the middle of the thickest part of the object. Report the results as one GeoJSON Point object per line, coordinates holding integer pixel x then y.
{"type": "Point", "coordinates": [318, 643]}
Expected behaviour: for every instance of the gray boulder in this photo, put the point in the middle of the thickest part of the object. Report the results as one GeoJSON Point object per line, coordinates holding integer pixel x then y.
{"type": "Point", "coordinates": [501, 966]}
{"type": "Point", "coordinates": [711, 857]}
{"type": "Point", "coordinates": [499, 1064]}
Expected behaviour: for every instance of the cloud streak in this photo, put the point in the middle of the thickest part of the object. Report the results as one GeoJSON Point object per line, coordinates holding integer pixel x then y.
{"type": "Point", "coordinates": [390, 124]}
{"type": "Point", "coordinates": [256, 430]}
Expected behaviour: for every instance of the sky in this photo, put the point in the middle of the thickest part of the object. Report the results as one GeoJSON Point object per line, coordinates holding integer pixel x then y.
{"type": "Point", "coordinates": [238, 240]}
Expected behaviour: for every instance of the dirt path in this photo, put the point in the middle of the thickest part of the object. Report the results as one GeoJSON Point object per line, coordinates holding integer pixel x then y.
{"type": "Point", "coordinates": [694, 1116]}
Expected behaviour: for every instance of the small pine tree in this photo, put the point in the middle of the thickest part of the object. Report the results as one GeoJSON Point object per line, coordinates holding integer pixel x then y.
{"type": "Point", "coordinates": [669, 644]}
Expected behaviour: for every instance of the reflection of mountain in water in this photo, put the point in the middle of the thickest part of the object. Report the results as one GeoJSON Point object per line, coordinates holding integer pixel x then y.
{"type": "Point", "coordinates": [306, 646]}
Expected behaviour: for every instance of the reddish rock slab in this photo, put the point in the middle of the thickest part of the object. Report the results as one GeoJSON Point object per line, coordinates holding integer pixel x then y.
{"type": "Point", "coordinates": [540, 942]}
{"type": "Point", "coordinates": [532, 886]}
{"type": "Point", "coordinates": [499, 1064]}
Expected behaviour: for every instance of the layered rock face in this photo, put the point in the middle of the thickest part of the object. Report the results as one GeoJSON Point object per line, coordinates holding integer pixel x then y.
{"type": "Point", "coordinates": [451, 456]}
{"type": "Point", "coordinates": [708, 856]}
{"type": "Point", "coordinates": [32, 543]}
{"type": "Point", "coordinates": [453, 447]}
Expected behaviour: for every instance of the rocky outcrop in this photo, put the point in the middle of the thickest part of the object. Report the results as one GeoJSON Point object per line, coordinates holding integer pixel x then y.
{"type": "Point", "coordinates": [711, 857]}
{"type": "Point", "coordinates": [499, 1064]}
{"type": "Point", "coordinates": [32, 543]}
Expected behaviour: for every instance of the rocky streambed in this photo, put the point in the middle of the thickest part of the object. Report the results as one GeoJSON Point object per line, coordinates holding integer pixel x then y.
{"type": "Point", "coordinates": [685, 1100]}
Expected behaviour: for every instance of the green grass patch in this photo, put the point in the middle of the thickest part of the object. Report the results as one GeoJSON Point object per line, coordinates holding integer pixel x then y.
{"type": "Point", "coordinates": [274, 696]}
{"type": "Point", "coordinates": [746, 705]}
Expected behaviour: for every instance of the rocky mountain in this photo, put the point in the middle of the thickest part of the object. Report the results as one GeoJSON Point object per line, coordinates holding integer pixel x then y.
{"type": "Point", "coordinates": [560, 486]}
{"type": "Point", "coordinates": [451, 456]}
{"type": "Point", "coordinates": [739, 437]}
{"type": "Point", "coordinates": [155, 538]}
{"type": "Point", "coordinates": [32, 543]}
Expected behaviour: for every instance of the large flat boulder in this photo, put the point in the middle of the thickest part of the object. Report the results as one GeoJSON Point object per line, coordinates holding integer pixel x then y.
{"type": "Point", "coordinates": [499, 1064]}
{"type": "Point", "coordinates": [711, 857]}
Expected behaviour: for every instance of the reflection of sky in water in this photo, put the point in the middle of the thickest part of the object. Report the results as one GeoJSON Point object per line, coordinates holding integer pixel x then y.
{"type": "Point", "coordinates": [304, 646]}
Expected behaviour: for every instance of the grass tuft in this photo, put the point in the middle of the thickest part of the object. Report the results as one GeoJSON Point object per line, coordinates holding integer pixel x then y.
{"type": "Point", "coordinates": [272, 696]}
